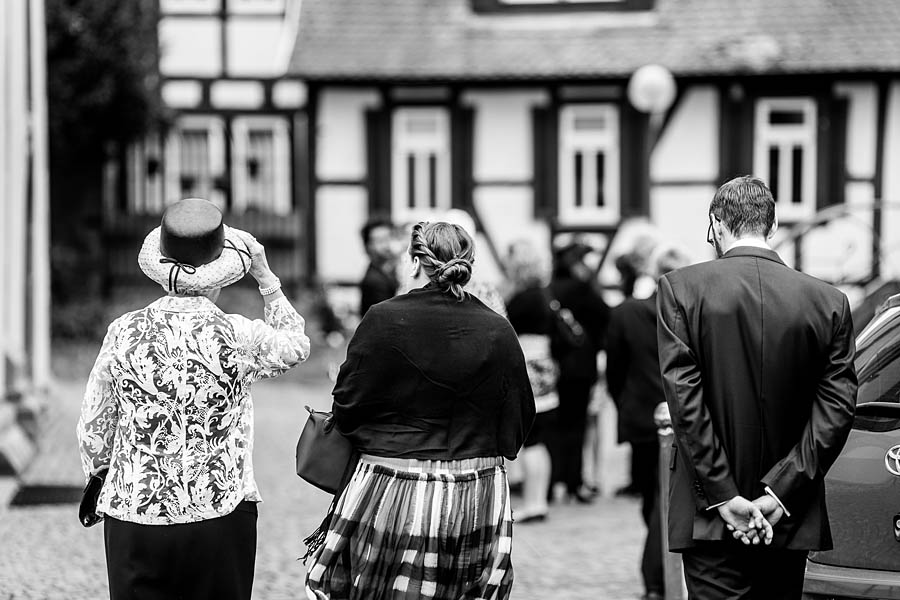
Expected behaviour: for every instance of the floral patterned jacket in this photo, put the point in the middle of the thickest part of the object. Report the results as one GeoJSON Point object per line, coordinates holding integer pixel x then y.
{"type": "Point", "coordinates": [168, 408]}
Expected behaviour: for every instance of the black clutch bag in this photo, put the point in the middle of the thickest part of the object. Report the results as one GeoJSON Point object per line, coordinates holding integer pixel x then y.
{"type": "Point", "coordinates": [87, 510]}
{"type": "Point", "coordinates": [323, 453]}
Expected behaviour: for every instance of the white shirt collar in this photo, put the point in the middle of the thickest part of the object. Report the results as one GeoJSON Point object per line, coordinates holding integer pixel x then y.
{"type": "Point", "coordinates": [749, 241]}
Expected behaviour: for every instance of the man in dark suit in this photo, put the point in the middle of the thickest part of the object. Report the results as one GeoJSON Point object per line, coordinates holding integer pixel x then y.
{"type": "Point", "coordinates": [380, 281]}
{"type": "Point", "coordinates": [635, 385]}
{"type": "Point", "coordinates": [757, 366]}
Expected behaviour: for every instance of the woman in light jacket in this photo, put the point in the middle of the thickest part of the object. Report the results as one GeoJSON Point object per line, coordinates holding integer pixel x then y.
{"type": "Point", "coordinates": [435, 395]}
{"type": "Point", "coordinates": [168, 412]}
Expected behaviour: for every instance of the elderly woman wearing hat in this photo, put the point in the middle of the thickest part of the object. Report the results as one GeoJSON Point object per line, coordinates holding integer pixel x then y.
{"type": "Point", "coordinates": [168, 412]}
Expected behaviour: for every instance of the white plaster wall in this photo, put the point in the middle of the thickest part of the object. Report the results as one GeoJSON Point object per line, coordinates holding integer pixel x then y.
{"type": "Point", "coordinates": [681, 214]}
{"type": "Point", "coordinates": [340, 213]}
{"type": "Point", "coordinates": [253, 46]}
{"type": "Point", "coordinates": [503, 133]}
{"type": "Point", "coordinates": [190, 46]}
{"type": "Point", "coordinates": [507, 214]}
{"type": "Point", "coordinates": [341, 133]}
{"type": "Point", "coordinates": [689, 148]}
{"type": "Point", "coordinates": [891, 183]}
{"type": "Point", "coordinates": [862, 121]}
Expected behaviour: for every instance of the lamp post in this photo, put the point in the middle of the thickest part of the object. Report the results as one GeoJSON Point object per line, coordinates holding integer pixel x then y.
{"type": "Point", "coordinates": [651, 90]}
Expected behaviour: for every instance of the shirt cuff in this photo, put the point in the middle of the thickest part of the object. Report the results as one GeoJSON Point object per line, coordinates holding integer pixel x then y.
{"type": "Point", "coordinates": [716, 505]}
{"type": "Point", "coordinates": [778, 500]}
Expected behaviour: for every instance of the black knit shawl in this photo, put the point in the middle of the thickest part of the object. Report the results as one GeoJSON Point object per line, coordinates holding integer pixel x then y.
{"type": "Point", "coordinates": [429, 377]}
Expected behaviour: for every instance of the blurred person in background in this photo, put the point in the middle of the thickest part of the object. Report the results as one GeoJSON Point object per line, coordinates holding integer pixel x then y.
{"type": "Point", "coordinates": [573, 295]}
{"type": "Point", "coordinates": [168, 412]}
{"type": "Point", "coordinates": [380, 281]}
{"type": "Point", "coordinates": [434, 394]}
{"type": "Point", "coordinates": [636, 280]}
{"type": "Point", "coordinates": [530, 315]}
{"type": "Point", "coordinates": [635, 384]}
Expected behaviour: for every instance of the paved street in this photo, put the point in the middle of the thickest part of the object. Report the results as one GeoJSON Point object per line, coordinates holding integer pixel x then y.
{"type": "Point", "coordinates": [579, 552]}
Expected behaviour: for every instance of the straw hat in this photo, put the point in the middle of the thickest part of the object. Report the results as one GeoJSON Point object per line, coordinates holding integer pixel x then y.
{"type": "Point", "coordinates": [193, 250]}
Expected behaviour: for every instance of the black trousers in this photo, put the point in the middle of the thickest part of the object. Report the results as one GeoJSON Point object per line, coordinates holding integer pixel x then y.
{"type": "Point", "coordinates": [212, 559]}
{"type": "Point", "coordinates": [645, 463]}
{"type": "Point", "coordinates": [571, 424]}
{"type": "Point", "coordinates": [728, 569]}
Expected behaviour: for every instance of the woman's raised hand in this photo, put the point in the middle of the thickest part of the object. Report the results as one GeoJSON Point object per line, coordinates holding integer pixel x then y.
{"type": "Point", "coordinates": [259, 267]}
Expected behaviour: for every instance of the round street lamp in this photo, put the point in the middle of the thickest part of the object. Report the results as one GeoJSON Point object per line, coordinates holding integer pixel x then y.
{"type": "Point", "coordinates": [651, 89]}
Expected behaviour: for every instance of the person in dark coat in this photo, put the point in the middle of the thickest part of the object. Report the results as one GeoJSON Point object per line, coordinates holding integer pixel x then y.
{"type": "Point", "coordinates": [757, 366]}
{"type": "Point", "coordinates": [580, 304]}
{"type": "Point", "coordinates": [379, 282]}
{"type": "Point", "coordinates": [635, 384]}
{"type": "Point", "coordinates": [435, 395]}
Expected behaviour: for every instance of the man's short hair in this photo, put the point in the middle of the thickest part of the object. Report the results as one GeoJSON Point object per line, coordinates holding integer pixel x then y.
{"type": "Point", "coordinates": [745, 205]}
{"type": "Point", "coordinates": [374, 223]}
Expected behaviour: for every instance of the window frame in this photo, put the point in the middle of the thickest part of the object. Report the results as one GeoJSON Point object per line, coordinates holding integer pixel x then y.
{"type": "Point", "coordinates": [241, 126]}
{"type": "Point", "coordinates": [198, 7]}
{"type": "Point", "coordinates": [572, 141]}
{"type": "Point", "coordinates": [787, 136]}
{"type": "Point", "coordinates": [216, 140]}
{"type": "Point", "coordinates": [403, 143]}
{"type": "Point", "coordinates": [560, 6]}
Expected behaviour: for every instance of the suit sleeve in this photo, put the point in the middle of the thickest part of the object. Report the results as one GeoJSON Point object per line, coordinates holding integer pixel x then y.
{"type": "Point", "coordinates": [795, 476]}
{"type": "Point", "coordinates": [616, 354]}
{"type": "Point", "coordinates": [682, 377]}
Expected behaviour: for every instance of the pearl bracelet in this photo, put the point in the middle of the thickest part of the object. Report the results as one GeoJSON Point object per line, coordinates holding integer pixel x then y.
{"type": "Point", "coordinates": [271, 289]}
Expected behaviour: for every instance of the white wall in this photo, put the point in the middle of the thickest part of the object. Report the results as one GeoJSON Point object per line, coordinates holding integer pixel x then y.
{"type": "Point", "coordinates": [891, 185]}
{"type": "Point", "coordinates": [190, 47]}
{"type": "Point", "coordinates": [508, 215]}
{"type": "Point", "coordinates": [341, 133]}
{"type": "Point", "coordinates": [689, 147]}
{"type": "Point", "coordinates": [681, 214]}
{"type": "Point", "coordinates": [862, 123]}
{"type": "Point", "coordinates": [341, 212]}
{"type": "Point", "coordinates": [253, 47]}
{"type": "Point", "coordinates": [503, 133]}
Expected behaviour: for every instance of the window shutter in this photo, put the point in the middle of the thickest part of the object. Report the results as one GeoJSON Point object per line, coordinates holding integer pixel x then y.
{"type": "Point", "coordinates": [462, 133]}
{"type": "Point", "coordinates": [635, 165]}
{"type": "Point", "coordinates": [735, 136]}
{"type": "Point", "coordinates": [378, 160]}
{"type": "Point", "coordinates": [545, 128]}
{"type": "Point", "coordinates": [831, 167]}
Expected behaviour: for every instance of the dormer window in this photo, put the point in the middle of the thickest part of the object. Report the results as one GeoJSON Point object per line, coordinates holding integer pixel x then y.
{"type": "Point", "coordinates": [537, 6]}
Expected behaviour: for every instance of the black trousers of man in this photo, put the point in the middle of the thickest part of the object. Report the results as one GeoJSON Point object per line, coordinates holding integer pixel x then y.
{"type": "Point", "coordinates": [730, 570]}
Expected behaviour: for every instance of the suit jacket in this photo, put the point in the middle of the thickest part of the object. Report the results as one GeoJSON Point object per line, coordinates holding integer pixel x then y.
{"type": "Point", "coordinates": [376, 286]}
{"type": "Point", "coordinates": [430, 377]}
{"type": "Point", "coordinates": [757, 365]}
{"type": "Point", "coordinates": [632, 368]}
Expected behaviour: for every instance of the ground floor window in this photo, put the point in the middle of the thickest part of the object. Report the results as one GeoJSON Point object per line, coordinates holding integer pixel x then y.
{"type": "Point", "coordinates": [240, 164]}
{"type": "Point", "coordinates": [784, 153]}
{"type": "Point", "coordinates": [420, 162]}
{"type": "Point", "coordinates": [589, 187]}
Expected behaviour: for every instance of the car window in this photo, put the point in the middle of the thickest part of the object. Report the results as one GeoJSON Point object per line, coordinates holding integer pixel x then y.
{"type": "Point", "coordinates": [878, 362]}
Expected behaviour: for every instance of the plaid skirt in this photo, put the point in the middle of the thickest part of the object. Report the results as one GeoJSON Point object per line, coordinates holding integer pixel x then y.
{"type": "Point", "coordinates": [418, 529]}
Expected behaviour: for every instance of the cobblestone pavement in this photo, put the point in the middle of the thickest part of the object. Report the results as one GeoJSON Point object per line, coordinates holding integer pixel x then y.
{"type": "Point", "coordinates": [579, 552]}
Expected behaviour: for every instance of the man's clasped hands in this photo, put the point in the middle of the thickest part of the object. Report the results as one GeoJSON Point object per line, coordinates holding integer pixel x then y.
{"type": "Point", "coordinates": [751, 522]}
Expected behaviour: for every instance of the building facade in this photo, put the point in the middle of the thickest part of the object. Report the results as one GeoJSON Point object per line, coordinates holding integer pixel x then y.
{"type": "Point", "coordinates": [24, 220]}
{"type": "Point", "coordinates": [518, 111]}
{"type": "Point", "coordinates": [234, 136]}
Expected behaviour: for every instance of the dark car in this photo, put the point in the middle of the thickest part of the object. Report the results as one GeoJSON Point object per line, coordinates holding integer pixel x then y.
{"type": "Point", "coordinates": [863, 485]}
